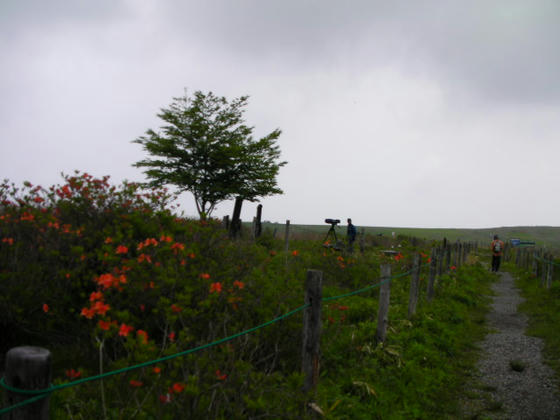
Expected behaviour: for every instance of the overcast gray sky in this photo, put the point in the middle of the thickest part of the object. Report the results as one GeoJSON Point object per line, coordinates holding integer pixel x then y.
{"type": "Point", "coordinates": [395, 113]}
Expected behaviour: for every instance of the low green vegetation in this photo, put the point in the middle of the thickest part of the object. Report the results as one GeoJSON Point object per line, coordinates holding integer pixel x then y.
{"type": "Point", "coordinates": [108, 277]}
{"type": "Point", "coordinates": [548, 236]}
{"type": "Point", "coordinates": [542, 305]}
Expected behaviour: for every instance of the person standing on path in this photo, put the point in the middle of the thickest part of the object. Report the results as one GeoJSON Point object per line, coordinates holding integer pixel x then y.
{"type": "Point", "coordinates": [350, 235]}
{"type": "Point", "coordinates": [497, 248]}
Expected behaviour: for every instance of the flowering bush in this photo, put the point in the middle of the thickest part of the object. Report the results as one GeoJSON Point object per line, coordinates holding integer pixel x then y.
{"type": "Point", "coordinates": [108, 277]}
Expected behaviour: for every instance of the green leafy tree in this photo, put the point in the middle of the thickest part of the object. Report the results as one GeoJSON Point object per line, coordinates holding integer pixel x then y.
{"type": "Point", "coordinates": [205, 148]}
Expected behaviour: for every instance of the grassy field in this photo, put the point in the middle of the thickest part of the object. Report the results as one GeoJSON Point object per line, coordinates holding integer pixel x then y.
{"type": "Point", "coordinates": [548, 236]}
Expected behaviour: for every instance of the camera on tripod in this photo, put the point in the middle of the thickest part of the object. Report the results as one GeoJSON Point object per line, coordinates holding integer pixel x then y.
{"type": "Point", "coordinates": [337, 244]}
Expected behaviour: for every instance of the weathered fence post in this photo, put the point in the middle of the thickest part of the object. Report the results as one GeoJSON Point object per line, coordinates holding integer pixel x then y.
{"type": "Point", "coordinates": [384, 297]}
{"type": "Point", "coordinates": [447, 259]}
{"type": "Point", "coordinates": [535, 263]}
{"type": "Point", "coordinates": [28, 368]}
{"type": "Point", "coordinates": [550, 271]}
{"type": "Point", "coordinates": [433, 272]}
{"type": "Point", "coordinates": [456, 256]}
{"type": "Point", "coordinates": [440, 255]}
{"type": "Point", "coordinates": [362, 241]}
{"type": "Point", "coordinates": [287, 236]}
{"type": "Point", "coordinates": [258, 221]}
{"type": "Point", "coordinates": [225, 222]}
{"type": "Point", "coordinates": [235, 225]}
{"type": "Point", "coordinates": [414, 286]}
{"type": "Point", "coordinates": [543, 269]}
{"type": "Point", "coordinates": [311, 329]}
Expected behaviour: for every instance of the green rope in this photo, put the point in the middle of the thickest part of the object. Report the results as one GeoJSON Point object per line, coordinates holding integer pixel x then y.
{"type": "Point", "coordinates": [546, 261]}
{"type": "Point", "coordinates": [39, 394]}
{"type": "Point", "coordinates": [373, 286]}
{"type": "Point", "coordinates": [43, 393]}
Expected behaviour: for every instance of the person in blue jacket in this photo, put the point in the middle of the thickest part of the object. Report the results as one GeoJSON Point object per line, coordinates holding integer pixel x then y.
{"type": "Point", "coordinates": [350, 234]}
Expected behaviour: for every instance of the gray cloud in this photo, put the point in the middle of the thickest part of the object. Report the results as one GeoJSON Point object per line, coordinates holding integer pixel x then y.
{"type": "Point", "coordinates": [392, 112]}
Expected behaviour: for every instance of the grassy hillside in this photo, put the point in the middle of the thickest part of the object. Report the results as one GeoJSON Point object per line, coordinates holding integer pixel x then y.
{"type": "Point", "coordinates": [548, 236]}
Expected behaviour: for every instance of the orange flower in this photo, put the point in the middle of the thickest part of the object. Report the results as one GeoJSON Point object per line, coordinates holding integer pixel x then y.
{"type": "Point", "coordinates": [73, 374]}
{"type": "Point", "coordinates": [205, 276]}
{"type": "Point", "coordinates": [124, 330]}
{"type": "Point", "coordinates": [295, 252]}
{"type": "Point", "coordinates": [176, 388]}
{"type": "Point", "coordinates": [121, 249]}
{"type": "Point", "coordinates": [95, 296]}
{"type": "Point", "coordinates": [216, 287]}
{"type": "Point", "coordinates": [239, 284]}
{"type": "Point", "coordinates": [88, 313]}
{"type": "Point", "coordinates": [105, 280]}
{"type": "Point", "coordinates": [221, 376]}
{"type": "Point", "coordinates": [45, 308]}
{"type": "Point", "coordinates": [9, 241]}
{"type": "Point", "coordinates": [176, 309]}
{"type": "Point", "coordinates": [104, 325]}
{"type": "Point", "coordinates": [143, 336]}
{"type": "Point", "coordinates": [135, 384]}
{"type": "Point", "coordinates": [67, 275]}
{"type": "Point", "coordinates": [100, 307]}
{"type": "Point", "coordinates": [157, 370]}
{"type": "Point", "coordinates": [453, 267]}
{"type": "Point", "coordinates": [144, 257]}
{"type": "Point", "coordinates": [171, 336]}
{"type": "Point", "coordinates": [176, 247]}
{"type": "Point", "coordinates": [164, 238]}
{"type": "Point", "coordinates": [108, 240]}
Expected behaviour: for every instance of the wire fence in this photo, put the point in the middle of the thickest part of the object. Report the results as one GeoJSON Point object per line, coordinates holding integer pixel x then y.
{"type": "Point", "coordinates": [39, 394]}
{"type": "Point", "coordinates": [440, 254]}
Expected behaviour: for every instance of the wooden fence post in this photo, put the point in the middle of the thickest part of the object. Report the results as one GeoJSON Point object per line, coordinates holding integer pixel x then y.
{"type": "Point", "coordinates": [384, 298]}
{"type": "Point", "coordinates": [543, 270]}
{"type": "Point", "coordinates": [414, 286]}
{"type": "Point", "coordinates": [287, 236]}
{"type": "Point", "coordinates": [258, 221]}
{"type": "Point", "coordinates": [433, 272]}
{"type": "Point", "coordinates": [362, 241]}
{"type": "Point", "coordinates": [440, 256]}
{"type": "Point", "coordinates": [312, 329]}
{"type": "Point", "coordinates": [235, 225]}
{"type": "Point", "coordinates": [535, 263]}
{"type": "Point", "coordinates": [549, 272]}
{"type": "Point", "coordinates": [28, 368]}
{"type": "Point", "coordinates": [447, 259]}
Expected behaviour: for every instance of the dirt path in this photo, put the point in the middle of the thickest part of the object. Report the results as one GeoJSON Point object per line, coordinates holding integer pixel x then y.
{"type": "Point", "coordinates": [511, 381]}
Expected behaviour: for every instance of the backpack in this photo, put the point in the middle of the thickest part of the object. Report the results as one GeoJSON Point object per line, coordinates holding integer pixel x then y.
{"type": "Point", "coordinates": [497, 246]}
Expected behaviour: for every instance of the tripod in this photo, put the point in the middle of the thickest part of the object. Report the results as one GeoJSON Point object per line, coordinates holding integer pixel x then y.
{"type": "Point", "coordinates": [337, 244]}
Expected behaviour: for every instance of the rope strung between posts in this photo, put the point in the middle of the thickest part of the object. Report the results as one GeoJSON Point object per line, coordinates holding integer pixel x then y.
{"type": "Point", "coordinates": [546, 261]}
{"type": "Point", "coordinates": [39, 394]}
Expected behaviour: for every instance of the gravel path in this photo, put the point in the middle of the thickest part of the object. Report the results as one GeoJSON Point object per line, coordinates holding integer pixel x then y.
{"type": "Point", "coordinates": [511, 381]}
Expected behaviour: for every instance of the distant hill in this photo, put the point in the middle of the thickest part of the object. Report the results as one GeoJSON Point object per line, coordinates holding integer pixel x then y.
{"type": "Point", "coordinates": [548, 236]}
